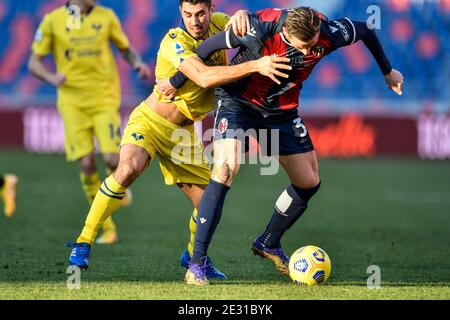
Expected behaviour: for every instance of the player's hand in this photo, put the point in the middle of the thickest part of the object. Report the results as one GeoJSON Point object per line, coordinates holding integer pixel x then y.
{"type": "Point", "coordinates": [240, 22]}
{"type": "Point", "coordinates": [394, 81]}
{"type": "Point", "coordinates": [57, 79]}
{"type": "Point", "coordinates": [270, 66]}
{"type": "Point", "coordinates": [166, 88]}
{"type": "Point", "coordinates": [143, 70]}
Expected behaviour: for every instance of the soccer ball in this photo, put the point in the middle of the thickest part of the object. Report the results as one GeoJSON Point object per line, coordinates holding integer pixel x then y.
{"type": "Point", "coordinates": [309, 266]}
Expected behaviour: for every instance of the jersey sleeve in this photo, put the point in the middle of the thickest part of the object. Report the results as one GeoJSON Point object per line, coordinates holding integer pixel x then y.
{"type": "Point", "coordinates": [43, 39]}
{"type": "Point", "coordinates": [176, 48]}
{"type": "Point", "coordinates": [341, 32]}
{"type": "Point", "coordinates": [117, 35]}
{"type": "Point", "coordinates": [344, 32]}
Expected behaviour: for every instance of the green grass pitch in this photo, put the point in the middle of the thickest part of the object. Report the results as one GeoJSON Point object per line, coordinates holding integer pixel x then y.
{"type": "Point", "coordinates": [394, 213]}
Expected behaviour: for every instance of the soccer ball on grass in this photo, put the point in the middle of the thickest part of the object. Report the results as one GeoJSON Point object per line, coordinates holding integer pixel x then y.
{"type": "Point", "coordinates": [309, 266]}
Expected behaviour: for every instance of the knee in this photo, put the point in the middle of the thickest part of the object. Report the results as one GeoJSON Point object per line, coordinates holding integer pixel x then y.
{"type": "Point", "coordinates": [111, 160]}
{"type": "Point", "coordinates": [306, 193]}
{"type": "Point", "coordinates": [225, 172]}
{"type": "Point", "coordinates": [312, 182]}
{"type": "Point", "coordinates": [127, 172]}
{"type": "Point", "coordinates": [88, 165]}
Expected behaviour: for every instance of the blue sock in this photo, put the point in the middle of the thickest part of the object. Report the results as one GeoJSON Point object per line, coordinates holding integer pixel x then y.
{"type": "Point", "coordinates": [291, 204]}
{"type": "Point", "coordinates": [209, 214]}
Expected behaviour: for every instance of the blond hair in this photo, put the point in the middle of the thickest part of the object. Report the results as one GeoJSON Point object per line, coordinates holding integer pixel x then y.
{"type": "Point", "coordinates": [302, 23]}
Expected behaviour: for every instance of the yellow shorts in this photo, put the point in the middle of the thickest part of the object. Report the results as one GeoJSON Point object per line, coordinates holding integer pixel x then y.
{"type": "Point", "coordinates": [82, 125]}
{"type": "Point", "coordinates": [180, 151]}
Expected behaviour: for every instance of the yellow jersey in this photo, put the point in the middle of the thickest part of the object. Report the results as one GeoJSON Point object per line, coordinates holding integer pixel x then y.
{"type": "Point", "coordinates": [192, 100]}
{"type": "Point", "coordinates": [83, 54]}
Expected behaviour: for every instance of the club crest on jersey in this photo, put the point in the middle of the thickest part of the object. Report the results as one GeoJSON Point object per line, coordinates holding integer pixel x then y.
{"type": "Point", "coordinates": [318, 51]}
{"type": "Point", "coordinates": [223, 126]}
{"type": "Point", "coordinates": [137, 136]}
{"type": "Point", "coordinates": [178, 48]}
{"type": "Point", "coordinates": [97, 26]}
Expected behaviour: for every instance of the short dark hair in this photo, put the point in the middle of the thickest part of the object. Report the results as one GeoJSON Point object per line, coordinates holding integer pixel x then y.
{"type": "Point", "coordinates": [208, 2]}
{"type": "Point", "coordinates": [302, 23]}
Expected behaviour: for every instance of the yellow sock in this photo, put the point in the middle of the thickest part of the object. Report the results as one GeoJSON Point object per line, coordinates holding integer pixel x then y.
{"type": "Point", "coordinates": [192, 229]}
{"type": "Point", "coordinates": [106, 202]}
{"type": "Point", "coordinates": [91, 184]}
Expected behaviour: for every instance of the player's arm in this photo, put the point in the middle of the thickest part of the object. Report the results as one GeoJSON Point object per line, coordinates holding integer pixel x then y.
{"type": "Point", "coordinates": [37, 69]}
{"type": "Point", "coordinates": [212, 76]}
{"type": "Point", "coordinates": [206, 77]}
{"type": "Point", "coordinates": [131, 56]}
{"type": "Point", "coordinates": [358, 30]}
{"type": "Point", "coordinates": [42, 46]}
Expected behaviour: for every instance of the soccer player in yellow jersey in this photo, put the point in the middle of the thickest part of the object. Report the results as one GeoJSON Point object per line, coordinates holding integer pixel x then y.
{"type": "Point", "coordinates": [78, 35]}
{"type": "Point", "coordinates": [8, 185]}
{"type": "Point", "coordinates": [158, 126]}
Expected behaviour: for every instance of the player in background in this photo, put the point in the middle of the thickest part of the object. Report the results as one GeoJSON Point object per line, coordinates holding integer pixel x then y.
{"type": "Point", "coordinates": [154, 125]}
{"type": "Point", "coordinates": [78, 35]}
{"type": "Point", "coordinates": [305, 36]}
{"type": "Point", "coordinates": [8, 186]}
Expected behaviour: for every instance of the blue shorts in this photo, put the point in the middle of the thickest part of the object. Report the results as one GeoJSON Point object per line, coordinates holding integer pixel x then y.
{"type": "Point", "coordinates": [235, 120]}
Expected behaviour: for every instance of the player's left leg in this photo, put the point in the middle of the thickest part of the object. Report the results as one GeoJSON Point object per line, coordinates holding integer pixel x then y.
{"type": "Point", "coordinates": [299, 160]}
{"type": "Point", "coordinates": [8, 185]}
{"type": "Point", "coordinates": [106, 123]}
{"type": "Point", "coordinates": [302, 170]}
{"type": "Point", "coordinates": [194, 192]}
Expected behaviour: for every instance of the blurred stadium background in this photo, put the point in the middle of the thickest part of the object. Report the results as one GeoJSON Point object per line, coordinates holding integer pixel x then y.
{"type": "Point", "coordinates": [388, 206]}
{"type": "Point", "coordinates": [346, 95]}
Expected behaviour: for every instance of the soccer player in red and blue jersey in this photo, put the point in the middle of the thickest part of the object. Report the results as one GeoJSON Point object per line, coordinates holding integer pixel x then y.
{"type": "Point", "coordinates": [304, 36]}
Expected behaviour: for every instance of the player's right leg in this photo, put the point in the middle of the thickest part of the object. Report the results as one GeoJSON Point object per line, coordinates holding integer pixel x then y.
{"type": "Point", "coordinates": [90, 181]}
{"type": "Point", "coordinates": [133, 160]}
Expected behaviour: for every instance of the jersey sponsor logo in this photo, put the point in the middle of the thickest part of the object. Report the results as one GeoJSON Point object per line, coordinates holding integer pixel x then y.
{"type": "Point", "coordinates": [344, 30]}
{"type": "Point", "coordinates": [69, 54]}
{"type": "Point", "coordinates": [178, 48]}
{"type": "Point", "coordinates": [38, 35]}
{"type": "Point", "coordinates": [223, 126]}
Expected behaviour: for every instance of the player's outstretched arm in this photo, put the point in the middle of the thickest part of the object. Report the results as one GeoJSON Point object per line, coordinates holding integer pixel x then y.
{"type": "Point", "coordinates": [37, 69]}
{"type": "Point", "coordinates": [133, 58]}
{"type": "Point", "coordinates": [207, 77]}
{"type": "Point", "coordinates": [394, 81]}
{"type": "Point", "coordinates": [353, 31]}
